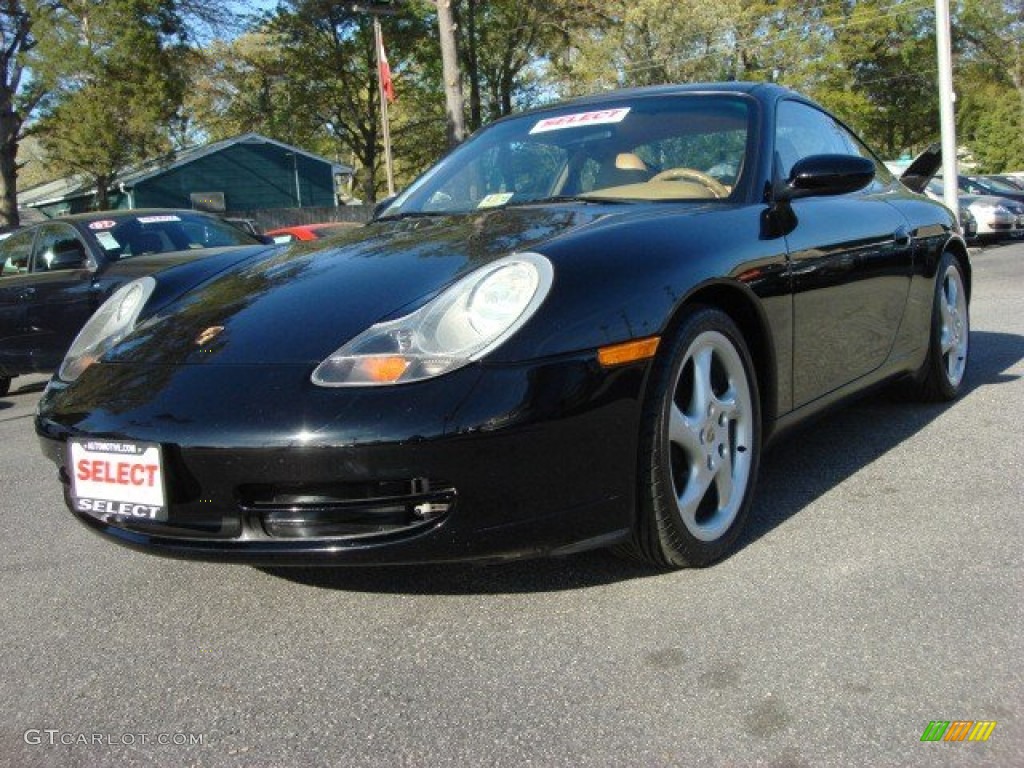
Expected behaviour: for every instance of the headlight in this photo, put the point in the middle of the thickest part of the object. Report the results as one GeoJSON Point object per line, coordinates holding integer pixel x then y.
{"type": "Point", "coordinates": [463, 323]}
{"type": "Point", "coordinates": [114, 320]}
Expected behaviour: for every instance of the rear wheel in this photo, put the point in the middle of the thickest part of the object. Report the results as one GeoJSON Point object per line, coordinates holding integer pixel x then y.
{"type": "Point", "coordinates": [700, 444]}
{"type": "Point", "coordinates": [949, 341]}
{"type": "Point", "coordinates": [5, 385]}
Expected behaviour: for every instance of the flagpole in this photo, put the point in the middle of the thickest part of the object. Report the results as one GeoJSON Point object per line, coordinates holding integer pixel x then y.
{"type": "Point", "coordinates": [386, 123]}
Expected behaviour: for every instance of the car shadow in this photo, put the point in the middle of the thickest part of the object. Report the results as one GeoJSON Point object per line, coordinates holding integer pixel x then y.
{"type": "Point", "coordinates": [865, 430]}
{"type": "Point", "coordinates": [25, 389]}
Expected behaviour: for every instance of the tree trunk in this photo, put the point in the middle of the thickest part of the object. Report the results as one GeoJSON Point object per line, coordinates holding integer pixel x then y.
{"type": "Point", "coordinates": [10, 126]}
{"type": "Point", "coordinates": [476, 112]}
{"type": "Point", "coordinates": [102, 193]}
{"type": "Point", "coordinates": [454, 104]}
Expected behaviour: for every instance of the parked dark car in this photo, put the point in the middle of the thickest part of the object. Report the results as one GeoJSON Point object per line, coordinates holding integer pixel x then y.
{"type": "Point", "coordinates": [1016, 182]}
{"type": "Point", "coordinates": [571, 332]}
{"type": "Point", "coordinates": [985, 185]}
{"type": "Point", "coordinates": [54, 275]}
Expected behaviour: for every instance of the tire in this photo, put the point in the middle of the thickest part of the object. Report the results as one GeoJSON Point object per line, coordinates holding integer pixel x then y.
{"type": "Point", "coordinates": [700, 444]}
{"type": "Point", "coordinates": [5, 385]}
{"type": "Point", "coordinates": [949, 340]}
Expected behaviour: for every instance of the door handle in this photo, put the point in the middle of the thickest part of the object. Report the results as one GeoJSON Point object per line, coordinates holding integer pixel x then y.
{"type": "Point", "coordinates": [902, 237]}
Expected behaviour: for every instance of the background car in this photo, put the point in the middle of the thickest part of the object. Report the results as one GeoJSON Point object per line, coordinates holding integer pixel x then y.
{"type": "Point", "coordinates": [985, 185]}
{"type": "Point", "coordinates": [1016, 182]}
{"type": "Point", "coordinates": [54, 275]}
{"type": "Point", "coordinates": [308, 231]}
{"type": "Point", "coordinates": [567, 334]}
{"type": "Point", "coordinates": [994, 217]}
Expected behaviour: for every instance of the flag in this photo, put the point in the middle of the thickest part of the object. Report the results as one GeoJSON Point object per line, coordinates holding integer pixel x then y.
{"type": "Point", "coordinates": [384, 74]}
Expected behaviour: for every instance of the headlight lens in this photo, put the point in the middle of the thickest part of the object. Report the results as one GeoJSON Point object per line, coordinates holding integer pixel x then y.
{"type": "Point", "coordinates": [114, 320]}
{"type": "Point", "coordinates": [463, 323]}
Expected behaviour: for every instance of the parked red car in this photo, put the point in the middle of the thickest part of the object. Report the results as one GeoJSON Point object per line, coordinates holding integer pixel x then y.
{"type": "Point", "coordinates": [308, 231]}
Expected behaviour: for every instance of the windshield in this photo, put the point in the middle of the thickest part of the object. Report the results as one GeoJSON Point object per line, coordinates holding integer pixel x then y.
{"type": "Point", "coordinates": [689, 147]}
{"type": "Point", "coordinates": [123, 236]}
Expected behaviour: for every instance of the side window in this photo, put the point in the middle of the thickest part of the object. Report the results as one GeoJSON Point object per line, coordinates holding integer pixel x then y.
{"type": "Point", "coordinates": [883, 177]}
{"type": "Point", "coordinates": [15, 252]}
{"type": "Point", "coordinates": [802, 131]}
{"type": "Point", "coordinates": [57, 247]}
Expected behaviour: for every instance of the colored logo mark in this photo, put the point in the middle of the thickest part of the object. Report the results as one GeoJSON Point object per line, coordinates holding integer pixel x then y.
{"type": "Point", "coordinates": [958, 730]}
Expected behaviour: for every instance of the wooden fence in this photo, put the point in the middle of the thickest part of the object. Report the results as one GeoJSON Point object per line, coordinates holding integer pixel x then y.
{"type": "Point", "coordinates": [287, 217]}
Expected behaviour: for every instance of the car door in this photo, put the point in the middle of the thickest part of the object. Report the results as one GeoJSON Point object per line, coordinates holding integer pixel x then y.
{"type": "Point", "coordinates": [63, 296]}
{"type": "Point", "coordinates": [851, 259]}
{"type": "Point", "coordinates": [15, 287]}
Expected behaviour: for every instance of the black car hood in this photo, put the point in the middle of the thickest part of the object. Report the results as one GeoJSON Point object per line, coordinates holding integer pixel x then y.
{"type": "Point", "coordinates": [298, 304]}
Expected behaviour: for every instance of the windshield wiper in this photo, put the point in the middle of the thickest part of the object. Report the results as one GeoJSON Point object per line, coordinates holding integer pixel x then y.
{"type": "Point", "coordinates": [412, 215]}
{"type": "Point", "coordinates": [574, 199]}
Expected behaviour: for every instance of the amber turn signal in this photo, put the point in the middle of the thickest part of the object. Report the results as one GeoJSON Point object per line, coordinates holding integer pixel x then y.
{"type": "Point", "coordinates": [383, 369]}
{"type": "Point", "coordinates": [628, 352]}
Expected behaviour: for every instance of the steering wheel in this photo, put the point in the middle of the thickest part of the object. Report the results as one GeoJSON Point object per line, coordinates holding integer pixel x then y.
{"type": "Point", "coordinates": [717, 188]}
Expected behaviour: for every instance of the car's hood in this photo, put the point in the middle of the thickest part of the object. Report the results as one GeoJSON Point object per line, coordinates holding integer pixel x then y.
{"type": "Point", "coordinates": [299, 303]}
{"type": "Point", "coordinates": [137, 266]}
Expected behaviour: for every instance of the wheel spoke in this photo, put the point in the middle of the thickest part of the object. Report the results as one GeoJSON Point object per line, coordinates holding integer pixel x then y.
{"type": "Point", "coordinates": [702, 393]}
{"type": "Point", "coordinates": [696, 488]}
{"type": "Point", "coordinates": [684, 431]}
{"type": "Point", "coordinates": [952, 292]}
{"type": "Point", "coordinates": [947, 315]}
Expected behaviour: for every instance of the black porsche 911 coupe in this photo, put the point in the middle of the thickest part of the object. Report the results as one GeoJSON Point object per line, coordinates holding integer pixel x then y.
{"type": "Point", "coordinates": [579, 329]}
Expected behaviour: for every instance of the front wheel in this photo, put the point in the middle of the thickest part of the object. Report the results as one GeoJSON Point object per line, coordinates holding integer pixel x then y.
{"type": "Point", "coordinates": [700, 444]}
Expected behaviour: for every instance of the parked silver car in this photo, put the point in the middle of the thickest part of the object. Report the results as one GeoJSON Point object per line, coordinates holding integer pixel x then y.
{"type": "Point", "coordinates": [996, 217]}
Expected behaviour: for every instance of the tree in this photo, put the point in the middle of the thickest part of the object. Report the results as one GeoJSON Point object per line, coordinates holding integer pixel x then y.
{"type": "Point", "coordinates": [20, 94]}
{"type": "Point", "coordinates": [507, 46]}
{"type": "Point", "coordinates": [327, 50]}
{"type": "Point", "coordinates": [115, 68]}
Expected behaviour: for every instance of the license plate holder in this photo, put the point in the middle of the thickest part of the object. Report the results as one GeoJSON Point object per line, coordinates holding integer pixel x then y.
{"type": "Point", "coordinates": [117, 479]}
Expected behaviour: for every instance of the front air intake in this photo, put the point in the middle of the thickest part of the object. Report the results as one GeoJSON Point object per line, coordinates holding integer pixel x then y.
{"type": "Point", "coordinates": [346, 510]}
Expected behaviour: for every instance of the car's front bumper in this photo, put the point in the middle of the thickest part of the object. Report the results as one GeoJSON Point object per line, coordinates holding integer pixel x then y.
{"type": "Point", "coordinates": [488, 462]}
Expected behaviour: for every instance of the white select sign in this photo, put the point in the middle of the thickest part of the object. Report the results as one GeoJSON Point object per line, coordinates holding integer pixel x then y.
{"type": "Point", "coordinates": [118, 478]}
{"type": "Point", "coordinates": [598, 117]}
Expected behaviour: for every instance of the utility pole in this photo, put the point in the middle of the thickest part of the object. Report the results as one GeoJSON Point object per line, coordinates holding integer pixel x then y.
{"type": "Point", "coordinates": [947, 121]}
{"type": "Point", "coordinates": [378, 41]}
{"type": "Point", "coordinates": [453, 100]}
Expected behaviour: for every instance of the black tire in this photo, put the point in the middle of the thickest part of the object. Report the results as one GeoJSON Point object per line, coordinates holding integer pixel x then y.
{"type": "Point", "coordinates": [944, 371]}
{"type": "Point", "coordinates": [690, 442]}
{"type": "Point", "coordinates": [5, 385]}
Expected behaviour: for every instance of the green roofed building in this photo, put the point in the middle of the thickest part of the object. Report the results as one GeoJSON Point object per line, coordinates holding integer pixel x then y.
{"type": "Point", "coordinates": [246, 173]}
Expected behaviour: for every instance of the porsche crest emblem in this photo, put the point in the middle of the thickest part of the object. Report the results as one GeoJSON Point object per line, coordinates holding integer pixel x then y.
{"type": "Point", "coordinates": [208, 335]}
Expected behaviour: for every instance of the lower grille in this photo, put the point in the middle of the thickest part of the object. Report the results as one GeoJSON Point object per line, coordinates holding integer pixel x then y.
{"type": "Point", "coordinates": [346, 510]}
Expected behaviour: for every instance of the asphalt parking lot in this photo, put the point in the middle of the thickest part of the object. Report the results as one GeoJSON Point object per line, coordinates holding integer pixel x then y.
{"type": "Point", "coordinates": [880, 588]}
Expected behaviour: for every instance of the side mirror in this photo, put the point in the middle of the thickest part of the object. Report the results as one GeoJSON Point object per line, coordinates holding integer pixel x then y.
{"type": "Point", "coordinates": [69, 254]}
{"type": "Point", "coordinates": [819, 175]}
